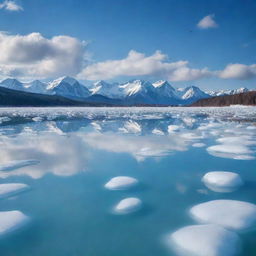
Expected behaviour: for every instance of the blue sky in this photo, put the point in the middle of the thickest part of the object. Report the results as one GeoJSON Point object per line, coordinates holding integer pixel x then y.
{"type": "Point", "coordinates": [100, 32]}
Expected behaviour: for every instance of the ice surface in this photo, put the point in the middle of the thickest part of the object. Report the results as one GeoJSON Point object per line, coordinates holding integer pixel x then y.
{"type": "Point", "coordinates": [231, 214]}
{"type": "Point", "coordinates": [17, 164]}
{"type": "Point", "coordinates": [234, 147]}
{"type": "Point", "coordinates": [198, 145]}
{"type": "Point", "coordinates": [173, 128]}
{"type": "Point", "coordinates": [157, 132]}
{"type": "Point", "coordinates": [128, 205]}
{"type": "Point", "coordinates": [11, 220]}
{"type": "Point", "coordinates": [220, 181]}
{"type": "Point", "coordinates": [204, 240]}
{"type": "Point", "coordinates": [10, 189]}
{"type": "Point", "coordinates": [121, 183]}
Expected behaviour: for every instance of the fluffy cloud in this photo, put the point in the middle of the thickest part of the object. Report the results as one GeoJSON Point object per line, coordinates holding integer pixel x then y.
{"type": "Point", "coordinates": [238, 71]}
{"type": "Point", "coordinates": [33, 55]}
{"type": "Point", "coordinates": [137, 64]}
{"type": "Point", "coordinates": [10, 6]}
{"type": "Point", "coordinates": [207, 22]}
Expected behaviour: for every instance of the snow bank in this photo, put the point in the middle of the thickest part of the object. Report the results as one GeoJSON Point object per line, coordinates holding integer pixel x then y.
{"type": "Point", "coordinates": [11, 220]}
{"type": "Point", "coordinates": [205, 240]}
{"type": "Point", "coordinates": [222, 181]}
{"type": "Point", "coordinates": [121, 182]}
{"type": "Point", "coordinates": [128, 205]}
{"type": "Point", "coordinates": [230, 214]}
{"type": "Point", "coordinates": [10, 189]}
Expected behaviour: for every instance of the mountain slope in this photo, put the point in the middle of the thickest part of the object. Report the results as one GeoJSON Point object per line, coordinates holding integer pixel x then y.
{"type": "Point", "coordinates": [10, 97]}
{"type": "Point", "coordinates": [246, 98]}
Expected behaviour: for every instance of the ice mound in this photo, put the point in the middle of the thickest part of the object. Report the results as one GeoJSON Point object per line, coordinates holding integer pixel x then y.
{"type": "Point", "coordinates": [11, 220]}
{"type": "Point", "coordinates": [17, 164]}
{"type": "Point", "coordinates": [205, 240]}
{"type": "Point", "coordinates": [222, 181]}
{"type": "Point", "coordinates": [173, 128]}
{"type": "Point", "coordinates": [230, 214]}
{"type": "Point", "coordinates": [157, 132]}
{"type": "Point", "coordinates": [238, 152]}
{"type": "Point", "coordinates": [10, 189]}
{"type": "Point", "coordinates": [198, 145]}
{"type": "Point", "coordinates": [121, 183]}
{"type": "Point", "coordinates": [128, 205]}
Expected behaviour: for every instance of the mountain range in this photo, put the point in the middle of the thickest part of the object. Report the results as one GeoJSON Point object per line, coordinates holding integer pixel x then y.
{"type": "Point", "coordinates": [133, 92]}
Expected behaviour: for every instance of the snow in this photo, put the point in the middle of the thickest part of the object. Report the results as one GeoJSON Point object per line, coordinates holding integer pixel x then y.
{"type": "Point", "coordinates": [204, 240]}
{"type": "Point", "coordinates": [128, 205]}
{"type": "Point", "coordinates": [17, 164]}
{"type": "Point", "coordinates": [157, 132]}
{"type": "Point", "coordinates": [11, 220]}
{"type": "Point", "coordinates": [132, 127]}
{"type": "Point", "coordinates": [220, 181]}
{"type": "Point", "coordinates": [10, 189]}
{"type": "Point", "coordinates": [121, 183]}
{"type": "Point", "coordinates": [231, 214]}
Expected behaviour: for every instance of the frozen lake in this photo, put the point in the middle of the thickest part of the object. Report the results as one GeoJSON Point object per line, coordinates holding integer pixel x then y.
{"type": "Point", "coordinates": [128, 181]}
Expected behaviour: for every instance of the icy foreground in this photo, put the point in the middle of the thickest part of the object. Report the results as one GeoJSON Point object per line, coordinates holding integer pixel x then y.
{"type": "Point", "coordinates": [222, 181]}
{"type": "Point", "coordinates": [204, 240]}
{"type": "Point", "coordinates": [10, 189]}
{"type": "Point", "coordinates": [11, 221]}
{"type": "Point", "coordinates": [121, 183]}
{"type": "Point", "coordinates": [128, 205]}
{"type": "Point", "coordinates": [231, 214]}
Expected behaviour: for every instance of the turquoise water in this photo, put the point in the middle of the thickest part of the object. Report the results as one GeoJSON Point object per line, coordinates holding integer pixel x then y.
{"type": "Point", "coordinates": [71, 213]}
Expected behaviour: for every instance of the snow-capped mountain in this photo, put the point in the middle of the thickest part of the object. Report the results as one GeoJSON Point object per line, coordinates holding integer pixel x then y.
{"type": "Point", "coordinates": [192, 94]}
{"type": "Point", "coordinates": [129, 93]}
{"type": "Point", "coordinates": [13, 84]}
{"type": "Point", "coordinates": [68, 87]}
{"type": "Point", "coordinates": [227, 92]}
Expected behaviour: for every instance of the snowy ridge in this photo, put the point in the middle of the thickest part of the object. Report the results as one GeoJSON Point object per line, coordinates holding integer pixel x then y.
{"type": "Point", "coordinates": [131, 92]}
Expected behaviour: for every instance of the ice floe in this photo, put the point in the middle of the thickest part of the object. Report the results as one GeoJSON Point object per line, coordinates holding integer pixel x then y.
{"type": "Point", "coordinates": [17, 164]}
{"type": "Point", "coordinates": [121, 183]}
{"type": "Point", "coordinates": [128, 205]}
{"type": "Point", "coordinates": [10, 189]}
{"type": "Point", "coordinates": [231, 214]}
{"type": "Point", "coordinates": [198, 145]}
{"type": "Point", "coordinates": [220, 181]}
{"type": "Point", "coordinates": [204, 240]}
{"type": "Point", "coordinates": [173, 128]}
{"type": "Point", "coordinates": [11, 220]}
{"type": "Point", "coordinates": [157, 132]}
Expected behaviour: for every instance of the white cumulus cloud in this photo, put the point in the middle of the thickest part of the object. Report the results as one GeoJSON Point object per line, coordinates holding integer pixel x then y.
{"type": "Point", "coordinates": [33, 55]}
{"type": "Point", "coordinates": [10, 6]}
{"type": "Point", "coordinates": [238, 71]}
{"type": "Point", "coordinates": [207, 22]}
{"type": "Point", "coordinates": [138, 64]}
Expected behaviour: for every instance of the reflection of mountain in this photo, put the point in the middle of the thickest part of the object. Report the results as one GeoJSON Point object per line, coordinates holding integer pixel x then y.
{"type": "Point", "coordinates": [133, 92]}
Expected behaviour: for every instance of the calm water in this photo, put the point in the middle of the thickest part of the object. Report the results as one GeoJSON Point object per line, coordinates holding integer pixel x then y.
{"type": "Point", "coordinates": [71, 213]}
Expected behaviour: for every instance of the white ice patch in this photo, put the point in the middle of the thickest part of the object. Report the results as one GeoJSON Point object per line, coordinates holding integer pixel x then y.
{"type": "Point", "coordinates": [17, 164]}
{"type": "Point", "coordinates": [132, 127]}
{"type": "Point", "coordinates": [121, 183]}
{"type": "Point", "coordinates": [11, 220]}
{"type": "Point", "coordinates": [157, 132]}
{"type": "Point", "coordinates": [222, 181]}
{"type": "Point", "coordinates": [173, 128]}
{"type": "Point", "coordinates": [204, 240]}
{"type": "Point", "coordinates": [230, 214]}
{"type": "Point", "coordinates": [198, 145]}
{"type": "Point", "coordinates": [11, 189]}
{"type": "Point", "coordinates": [128, 205]}
{"type": "Point", "coordinates": [233, 147]}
